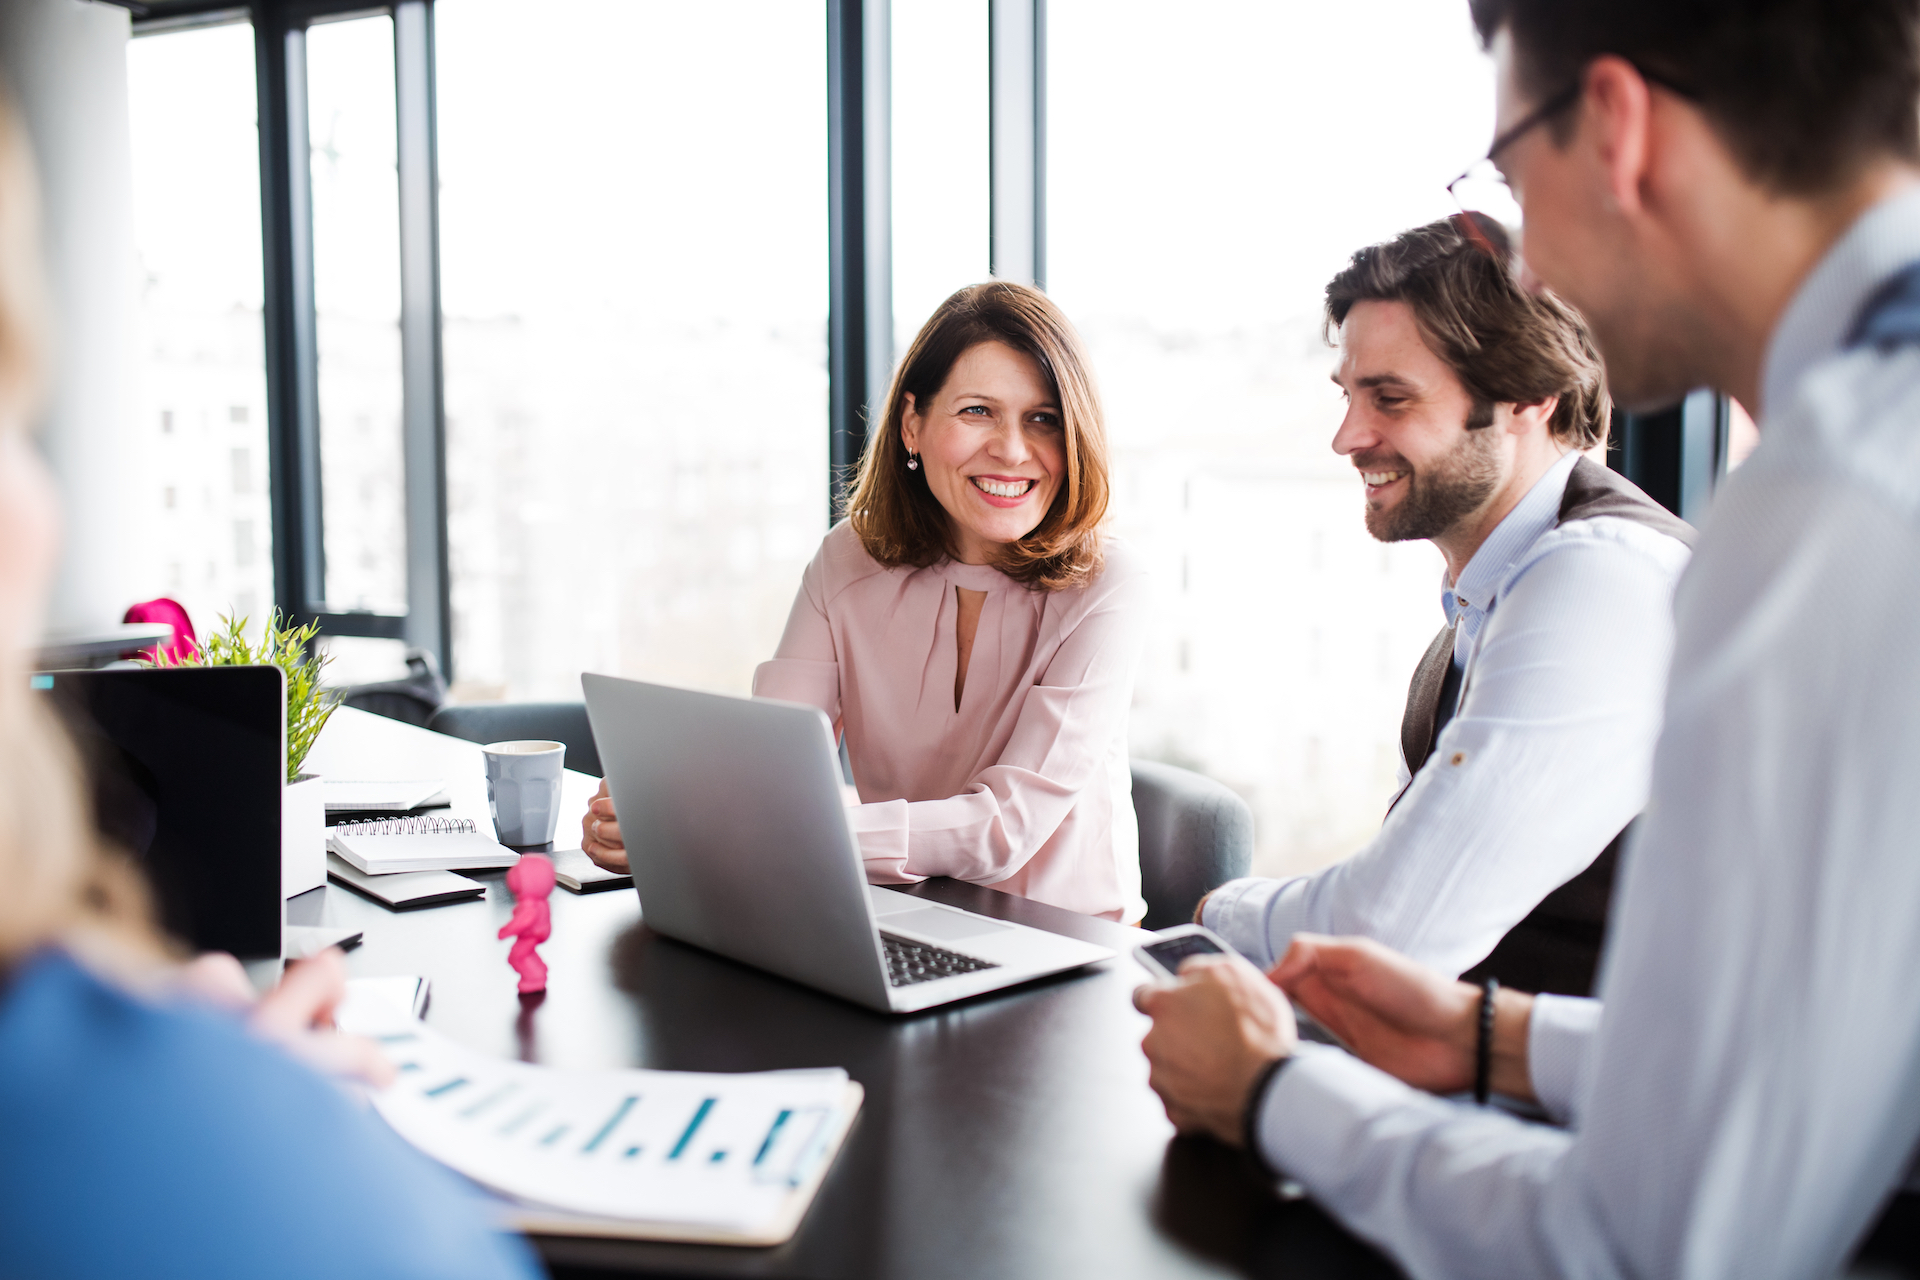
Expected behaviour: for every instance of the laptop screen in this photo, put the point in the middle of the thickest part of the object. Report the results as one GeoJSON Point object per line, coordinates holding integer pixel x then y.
{"type": "Point", "coordinates": [185, 767]}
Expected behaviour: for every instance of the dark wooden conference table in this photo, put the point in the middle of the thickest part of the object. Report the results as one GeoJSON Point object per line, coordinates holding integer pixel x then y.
{"type": "Point", "coordinates": [1009, 1136]}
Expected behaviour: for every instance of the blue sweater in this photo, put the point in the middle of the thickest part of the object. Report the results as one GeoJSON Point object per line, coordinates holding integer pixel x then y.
{"type": "Point", "coordinates": [138, 1140]}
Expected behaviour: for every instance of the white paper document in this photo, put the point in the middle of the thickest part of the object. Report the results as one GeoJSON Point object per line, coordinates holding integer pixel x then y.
{"type": "Point", "coordinates": [725, 1154]}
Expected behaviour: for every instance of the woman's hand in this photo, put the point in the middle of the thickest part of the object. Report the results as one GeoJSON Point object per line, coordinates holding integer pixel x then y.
{"type": "Point", "coordinates": [600, 833]}
{"type": "Point", "coordinates": [297, 1014]}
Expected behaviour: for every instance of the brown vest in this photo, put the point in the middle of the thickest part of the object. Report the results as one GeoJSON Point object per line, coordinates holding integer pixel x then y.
{"type": "Point", "coordinates": [1557, 947]}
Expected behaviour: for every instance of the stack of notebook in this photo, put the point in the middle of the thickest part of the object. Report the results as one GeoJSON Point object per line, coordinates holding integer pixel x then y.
{"type": "Point", "coordinates": [346, 797]}
{"type": "Point", "coordinates": [410, 862]}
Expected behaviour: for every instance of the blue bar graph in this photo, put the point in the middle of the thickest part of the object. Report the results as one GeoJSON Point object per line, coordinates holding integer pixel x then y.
{"type": "Point", "coordinates": [693, 1127]}
{"type": "Point", "coordinates": [619, 1114]}
{"type": "Point", "coordinates": [506, 1130]}
{"type": "Point", "coordinates": [779, 1123]}
{"type": "Point", "coordinates": [448, 1087]}
{"type": "Point", "coordinates": [488, 1101]}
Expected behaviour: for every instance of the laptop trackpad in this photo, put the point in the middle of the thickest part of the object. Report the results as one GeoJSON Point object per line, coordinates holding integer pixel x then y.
{"type": "Point", "coordinates": [947, 926]}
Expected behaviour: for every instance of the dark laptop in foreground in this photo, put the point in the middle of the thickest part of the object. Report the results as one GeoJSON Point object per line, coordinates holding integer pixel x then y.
{"type": "Point", "coordinates": [187, 767]}
{"type": "Point", "coordinates": [740, 844]}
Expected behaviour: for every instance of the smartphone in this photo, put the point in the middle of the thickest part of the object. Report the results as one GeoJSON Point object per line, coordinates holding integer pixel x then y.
{"type": "Point", "coordinates": [1169, 947]}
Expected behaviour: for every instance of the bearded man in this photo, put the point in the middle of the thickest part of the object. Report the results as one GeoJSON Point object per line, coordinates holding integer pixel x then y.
{"type": "Point", "coordinates": [1528, 738]}
{"type": "Point", "coordinates": [1730, 192]}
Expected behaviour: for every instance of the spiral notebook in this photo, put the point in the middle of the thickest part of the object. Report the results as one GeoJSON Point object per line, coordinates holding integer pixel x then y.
{"type": "Point", "coordinates": [388, 845]}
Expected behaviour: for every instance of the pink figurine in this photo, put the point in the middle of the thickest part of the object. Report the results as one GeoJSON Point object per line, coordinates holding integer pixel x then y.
{"type": "Point", "coordinates": [531, 880]}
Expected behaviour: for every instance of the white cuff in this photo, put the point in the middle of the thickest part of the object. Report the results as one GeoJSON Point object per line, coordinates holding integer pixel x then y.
{"type": "Point", "coordinates": [881, 829]}
{"type": "Point", "coordinates": [1558, 1033]}
{"type": "Point", "coordinates": [1253, 916]}
{"type": "Point", "coordinates": [1317, 1113]}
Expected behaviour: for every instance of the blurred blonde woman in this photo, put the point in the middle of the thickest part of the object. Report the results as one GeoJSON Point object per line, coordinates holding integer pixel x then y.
{"type": "Point", "coordinates": [971, 628]}
{"type": "Point", "coordinates": [155, 1125]}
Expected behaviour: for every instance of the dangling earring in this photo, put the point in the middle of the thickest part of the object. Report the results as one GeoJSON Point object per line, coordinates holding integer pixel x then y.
{"type": "Point", "coordinates": [913, 462]}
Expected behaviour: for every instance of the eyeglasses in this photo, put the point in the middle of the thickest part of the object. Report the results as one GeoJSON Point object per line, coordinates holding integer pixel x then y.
{"type": "Point", "coordinates": [1482, 191]}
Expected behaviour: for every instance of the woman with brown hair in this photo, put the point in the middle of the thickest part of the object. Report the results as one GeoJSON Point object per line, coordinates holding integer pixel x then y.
{"type": "Point", "coordinates": [969, 627]}
{"type": "Point", "coordinates": [158, 1121]}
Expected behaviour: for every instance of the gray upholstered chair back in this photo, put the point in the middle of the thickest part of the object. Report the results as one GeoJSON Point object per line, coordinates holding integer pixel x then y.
{"type": "Point", "coordinates": [1195, 835]}
{"type": "Point", "coordinates": [507, 721]}
{"type": "Point", "coordinates": [413, 699]}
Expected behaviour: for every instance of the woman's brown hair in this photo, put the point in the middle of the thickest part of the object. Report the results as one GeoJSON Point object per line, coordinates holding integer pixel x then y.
{"type": "Point", "coordinates": [895, 514]}
{"type": "Point", "coordinates": [59, 881]}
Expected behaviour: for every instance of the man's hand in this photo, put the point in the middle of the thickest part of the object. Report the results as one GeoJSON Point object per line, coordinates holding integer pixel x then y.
{"type": "Point", "coordinates": [600, 837]}
{"type": "Point", "coordinates": [1213, 1032]}
{"type": "Point", "coordinates": [1403, 1017]}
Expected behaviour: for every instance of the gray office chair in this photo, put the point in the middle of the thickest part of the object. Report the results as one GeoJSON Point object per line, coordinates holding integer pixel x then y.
{"type": "Point", "coordinates": [413, 699]}
{"type": "Point", "coordinates": [1195, 835]}
{"type": "Point", "coordinates": [507, 721]}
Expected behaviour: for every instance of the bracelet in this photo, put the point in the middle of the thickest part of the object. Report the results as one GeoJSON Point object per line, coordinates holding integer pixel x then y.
{"type": "Point", "coordinates": [1483, 1049]}
{"type": "Point", "coordinates": [1250, 1119]}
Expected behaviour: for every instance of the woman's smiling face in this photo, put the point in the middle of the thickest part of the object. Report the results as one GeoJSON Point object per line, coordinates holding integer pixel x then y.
{"type": "Point", "coordinates": [993, 446]}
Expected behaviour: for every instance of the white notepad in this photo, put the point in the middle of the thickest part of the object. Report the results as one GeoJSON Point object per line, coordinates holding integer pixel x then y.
{"type": "Point", "coordinates": [388, 797]}
{"type": "Point", "coordinates": [390, 845]}
{"type": "Point", "coordinates": [574, 869]}
{"type": "Point", "coordinates": [660, 1155]}
{"type": "Point", "coordinates": [406, 888]}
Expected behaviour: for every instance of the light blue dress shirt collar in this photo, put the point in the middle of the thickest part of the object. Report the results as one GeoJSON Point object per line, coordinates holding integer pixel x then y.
{"type": "Point", "coordinates": [1468, 601]}
{"type": "Point", "coordinates": [1880, 242]}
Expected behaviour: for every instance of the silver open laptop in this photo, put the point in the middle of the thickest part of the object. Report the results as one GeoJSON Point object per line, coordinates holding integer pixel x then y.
{"type": "Point", "coordinates": [738, 835]}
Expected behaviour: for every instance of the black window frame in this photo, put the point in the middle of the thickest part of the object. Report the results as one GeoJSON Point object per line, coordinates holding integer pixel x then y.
{"type": "Point", "coordinates": [1679, 455]}
{"type": "Point", "coordinates": [292, 359]}
{"type": "Point", "coordinates": [860, 283]}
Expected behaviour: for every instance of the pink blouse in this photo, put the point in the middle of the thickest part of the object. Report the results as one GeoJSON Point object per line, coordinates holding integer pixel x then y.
{"type": "Point", "coordinates": [1026, 787]}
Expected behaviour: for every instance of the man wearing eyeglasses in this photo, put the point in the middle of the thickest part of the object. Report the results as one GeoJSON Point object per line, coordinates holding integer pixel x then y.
{"type": "Point", "coordinates": [1730, 192]}
{"type": "Point", "coordinates": [1527, 742]}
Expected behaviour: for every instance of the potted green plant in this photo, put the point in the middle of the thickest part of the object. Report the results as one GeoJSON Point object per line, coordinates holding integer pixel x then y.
{"type": "Point", "coordinates": [303, 808]}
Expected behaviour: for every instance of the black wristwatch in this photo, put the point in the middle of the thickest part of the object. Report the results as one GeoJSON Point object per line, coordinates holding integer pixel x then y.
{"type": "Point", "coordinates": [1250, 1119]}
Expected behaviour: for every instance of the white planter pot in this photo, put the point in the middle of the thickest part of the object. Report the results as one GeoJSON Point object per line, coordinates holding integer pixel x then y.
{"type": "Point", "coordinates": [303, 835]}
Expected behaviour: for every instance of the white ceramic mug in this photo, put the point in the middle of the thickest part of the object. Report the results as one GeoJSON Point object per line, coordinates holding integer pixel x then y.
{"type": "Point", "coordinates": [523, 790]}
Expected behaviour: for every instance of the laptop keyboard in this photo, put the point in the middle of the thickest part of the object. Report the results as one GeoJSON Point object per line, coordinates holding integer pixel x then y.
{"type": "Point", "coordinates": [909, 962]}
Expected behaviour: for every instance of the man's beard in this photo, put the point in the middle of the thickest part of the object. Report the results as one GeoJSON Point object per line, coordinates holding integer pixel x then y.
{"type": "Point", "coordinates": [1440, 495]}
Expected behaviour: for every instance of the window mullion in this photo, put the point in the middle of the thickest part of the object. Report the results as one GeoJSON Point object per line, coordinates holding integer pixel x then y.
{"type": "Point", "coordinates": [293, 401]}
{"type": "Point", "coordinates": [1017, 72]}
{"type": "Point", "coordinates": [423, 420]}
{"type": "Point", "coordinates": [859, 231]}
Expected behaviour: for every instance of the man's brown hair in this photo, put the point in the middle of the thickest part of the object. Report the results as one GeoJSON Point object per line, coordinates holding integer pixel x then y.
{"type": "Point", "coordinates": [895, 514]}
{"type": "Point", "coordinates": [1801, 91]}
{"type": "Point", "coordinates": [1506, 346]}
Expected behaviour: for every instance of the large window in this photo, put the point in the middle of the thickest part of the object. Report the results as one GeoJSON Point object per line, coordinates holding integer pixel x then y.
{"type": "Point", "coordinates": [1211, 166]}
{"type": "Point", "coordinates": [941, 185]}
{"type": "Point", "coordinates": [633, 264]}
{"type": "Point", "coordinates": [203, 417]}
{"type": "Point", "coordinates": [356, 286]}
{"type": "Point", "coordinates": [632, 274]}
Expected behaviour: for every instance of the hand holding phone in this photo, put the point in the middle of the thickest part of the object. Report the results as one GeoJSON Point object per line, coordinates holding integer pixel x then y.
{"type": "Point", "coordinates": [1167, 949]}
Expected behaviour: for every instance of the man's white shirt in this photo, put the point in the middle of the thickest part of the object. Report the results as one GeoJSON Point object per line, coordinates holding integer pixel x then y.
{"type": "Point", "coordinates": [1750, 1090]}
{"type": "Point", "coordinates": [1564, 635]}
